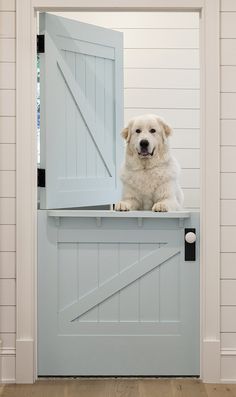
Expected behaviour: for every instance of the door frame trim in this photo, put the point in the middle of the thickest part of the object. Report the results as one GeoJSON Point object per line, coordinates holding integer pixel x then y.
{"type": "Point", "coordinates": [26, 160]}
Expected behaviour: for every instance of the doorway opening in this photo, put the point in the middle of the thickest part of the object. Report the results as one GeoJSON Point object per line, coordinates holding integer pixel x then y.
{"type": "Point", "coordinates": [115, 286]}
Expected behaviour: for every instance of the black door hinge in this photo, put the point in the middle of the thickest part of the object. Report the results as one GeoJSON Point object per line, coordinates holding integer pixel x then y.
{"type": "Point", "coordinates": [41, 177]}
{"type": "Point", "coordinates": [40, 43]}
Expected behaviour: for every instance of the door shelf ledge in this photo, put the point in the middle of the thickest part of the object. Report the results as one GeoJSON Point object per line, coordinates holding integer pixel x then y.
{"type": "Point", "coordinates": [117, 214]}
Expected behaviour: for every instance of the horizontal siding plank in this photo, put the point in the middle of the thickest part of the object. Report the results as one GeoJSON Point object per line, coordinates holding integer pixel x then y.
{"type": "Point", "coordinates": [228, 212]}
{"type": "Point", "coordinates": [7, 211]}
{"type": "Point", "coordinates": [187, 158]}
{"type": "Point", "coordinates": [8, 340]}
{"type": "Point", "coordinates": [228, 25]}
{"type": "Point", "coordinates": [7, 103]}
{"type": "Point", "coordinates": [7, 183]}
{"type": "Point", "coordinates": [7, 157]}
{"type": "Point", "coordinates": [7, 265]}
{"type": "Point", "coordinates": [228, 156]}
{"type": "Point", "coordinates": [7, 238]}
{"type": "Point", "coordinates": [181, 118]}
{"type": "Point", "coordinates": [161, 58]}
{"type": "Point", "coordinates": [7, 50]}
{"type": "Point", "coordinates": [228, 265]}
{"type": "Point", "coordinates": [228, 105]}
{"type": "Point", "coordinates": [191, 198]}
{"type": "Point", "coordinates": [228, 52]}
{"type": "Point", "coordinates": [228, 5]}
{"type": "Point", "coordinates": [228, 368]}
{"type": "Point", "coordinates": [228, 238]}
{"type": "Point", "coordinates": [161, 78]}
{"type": "Point", "coordinates": [160, 38]}
{"type": "Point", "coordinates": [7, 24]}
{"type": "Point", "coordinates": [187, 139]}
{"type": "Point", "coordinates": [142, 20]}
{"type": "Point", "coordinates": [228, 185]}
{"type": "Point", "coordinates": [228, 132]}
{"type": "Point", "coordinates": [190, 178]}
{"type": "Point", "coordinates": [228, 295]}
{"type": "Point", "coordinates": [228, 340]}
{"type": "Point", "coordinates": [170, 99]}
{"type": "Point", "coordinates": [7, 319]}
{"type": "Point", "coordinates": [228, 319]}
{"type": "Point", "coordinates": [7, 75]}
{"type": "Point", "coordinates": [7, 5]}
{"type": "Point", "coordinates": [7, 292]}
{"type": "Point", "coordinates": [228, 78]}
{"type": "Point", "coordinates": [7, 130]}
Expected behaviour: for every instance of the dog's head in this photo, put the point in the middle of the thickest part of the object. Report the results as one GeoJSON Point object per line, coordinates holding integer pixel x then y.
{"type": "Point", "coordinates": [146, 136]}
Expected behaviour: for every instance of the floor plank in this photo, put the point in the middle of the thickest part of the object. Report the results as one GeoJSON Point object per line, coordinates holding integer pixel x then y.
{"type": "Point", "coordinates": [188, 388]}
{"type": "Point", "coordinates": [154, 387]}
{"type": "Point", "coordinates": [220, 390]}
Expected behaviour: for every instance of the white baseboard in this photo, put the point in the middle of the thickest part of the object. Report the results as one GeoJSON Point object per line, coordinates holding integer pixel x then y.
{"type": "Point", "coordinates": [25, 372]}
{"type": "Point", "coordinates": [7, 366]}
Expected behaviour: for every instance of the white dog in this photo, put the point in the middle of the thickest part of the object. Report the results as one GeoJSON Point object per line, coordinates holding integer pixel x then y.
{"type": "Point", "coordinates": [150, 173]}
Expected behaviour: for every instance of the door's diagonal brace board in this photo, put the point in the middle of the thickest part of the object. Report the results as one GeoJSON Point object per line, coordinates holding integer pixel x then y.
{"type": "Point", "coordinates": [118, 282]}
{"type": "Point", "coordinates": [85, 109]}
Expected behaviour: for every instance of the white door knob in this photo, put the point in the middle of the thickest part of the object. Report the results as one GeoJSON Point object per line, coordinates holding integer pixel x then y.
{"type": "Point", "coordinates": [190, 237]}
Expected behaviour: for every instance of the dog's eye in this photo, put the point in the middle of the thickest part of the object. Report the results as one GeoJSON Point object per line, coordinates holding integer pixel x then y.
{"type": "Point", "coordinates": [138, 131]}
{"type": "Point", "coordinates": [152, 130]}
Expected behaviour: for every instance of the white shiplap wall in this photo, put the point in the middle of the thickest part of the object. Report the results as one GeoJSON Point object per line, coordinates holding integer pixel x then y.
{"type": "Point", "coordinates": [7, 189]}
{"type": "Point", "coordinates": [228, 190]}
{"type": "Point", "coordinates": [161, 75]}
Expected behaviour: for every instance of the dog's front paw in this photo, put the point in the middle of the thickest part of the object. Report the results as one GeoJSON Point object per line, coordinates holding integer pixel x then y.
{"type": "Point", "coordinates": [122, 206]}
{"type": "Point", "coordinates": [160, 207]}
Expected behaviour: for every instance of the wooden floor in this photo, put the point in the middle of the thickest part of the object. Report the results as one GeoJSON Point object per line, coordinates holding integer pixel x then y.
{"type": "Point", "coordinates": [118, 388]}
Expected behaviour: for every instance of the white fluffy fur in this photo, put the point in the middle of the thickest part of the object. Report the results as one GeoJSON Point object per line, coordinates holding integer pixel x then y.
{"type": "Point", "coordinates": [150, 180]}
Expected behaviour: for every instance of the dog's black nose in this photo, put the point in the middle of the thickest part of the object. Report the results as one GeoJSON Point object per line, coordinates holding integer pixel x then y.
{"type": "Point", "coordinates": [144, 143]}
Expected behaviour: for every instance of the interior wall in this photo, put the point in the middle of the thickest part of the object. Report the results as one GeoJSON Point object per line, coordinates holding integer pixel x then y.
{"type": "Point", "coordinates": [161, 76]}
{"type": "Point", "coordinates": [7, 190]}
{"type": "Point", "coordinates": [228, 188]}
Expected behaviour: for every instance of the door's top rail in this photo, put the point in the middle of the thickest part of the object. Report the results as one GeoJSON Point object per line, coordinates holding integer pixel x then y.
{"type": "Point", "coordinates": [116, 214]}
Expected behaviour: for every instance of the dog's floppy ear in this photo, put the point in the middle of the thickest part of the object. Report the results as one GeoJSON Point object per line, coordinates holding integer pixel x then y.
{"type": "Point", "coordinates": [126, 132]}
{"type": "Point", "coordinates": [167, 129]}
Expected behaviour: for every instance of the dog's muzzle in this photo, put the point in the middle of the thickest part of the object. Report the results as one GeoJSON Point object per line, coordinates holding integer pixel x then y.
{"type": "Point", "coordinates": [144, 148]}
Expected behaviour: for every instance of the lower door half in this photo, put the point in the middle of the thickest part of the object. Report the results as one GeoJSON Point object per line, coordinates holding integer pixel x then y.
{"type": "Point", "coordinates": [116, 297]}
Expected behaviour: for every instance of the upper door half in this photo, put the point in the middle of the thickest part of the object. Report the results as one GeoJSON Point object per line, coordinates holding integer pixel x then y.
{"type": "Point", "coordinates": [81, 108]}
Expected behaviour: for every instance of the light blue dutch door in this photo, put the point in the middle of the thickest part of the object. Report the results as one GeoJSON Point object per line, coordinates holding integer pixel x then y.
{"type": "Point", "coordinates": [116, 293]}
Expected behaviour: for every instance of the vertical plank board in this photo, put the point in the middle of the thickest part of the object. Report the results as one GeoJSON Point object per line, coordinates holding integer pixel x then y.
{"type": "Point", "coordinates": [108, 258]}
{"type": "Point", "coordinates": [129, 296]}
{"type": "Point", "coordinates": [88, 275]}
{"type": "Point", "coordinates": [100, 108]}
{"type": "Point", "coordinates": [169, 290]}
{"type": "Point", "coordinates": [61, 118]}
{"type": "Point", "coordinates": [71, 146]}
{"type": "Point", "coordinates": [91, 103]}
{"type": "Point", "coordinates": [80, 75]}
{"type": "Point", "coordinates": [149, 288]}
{"type": "Point", "coordinates": [67, 274]}
{"type": "Point", "coordinates": [109, 105]}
